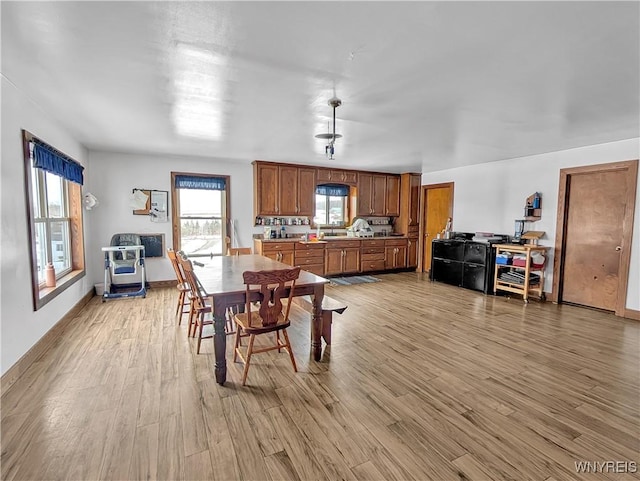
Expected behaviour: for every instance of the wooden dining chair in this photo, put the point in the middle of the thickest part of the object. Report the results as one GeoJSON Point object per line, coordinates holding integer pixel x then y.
{"type": "Point", "coordinates": [272, 314]}
{"type": "Point", "coordinates": [201, 311]}
{"type": "Point", "coordinates": [183, 287]}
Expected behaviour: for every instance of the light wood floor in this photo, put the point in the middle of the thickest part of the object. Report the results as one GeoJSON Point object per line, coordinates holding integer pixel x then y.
{"type": "Point", "coordinates": [423, 381]}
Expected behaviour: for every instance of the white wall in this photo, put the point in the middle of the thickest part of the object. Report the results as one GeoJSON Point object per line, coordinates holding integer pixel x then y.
{"type": "Point", "coordinates": [489, 197]}
{"type": "Point", "coordinates": [21, 327]}
{"type": "Point", "coordinates": [114, 177]}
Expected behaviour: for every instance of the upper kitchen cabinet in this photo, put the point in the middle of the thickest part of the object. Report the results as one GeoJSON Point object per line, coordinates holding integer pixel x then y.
{"type": "Point", "coordinates": [266, 182]}
{"type": "Point", "coordinates": [283, 189]}
{"type": "Point", "coordinates": [392, 205]}
{"type": "Point", "coordinates": [337, 176]}
{"type": "Point", "coordinates": [409, 218]}
{"type": "Point", "coordinates": [378, 195]}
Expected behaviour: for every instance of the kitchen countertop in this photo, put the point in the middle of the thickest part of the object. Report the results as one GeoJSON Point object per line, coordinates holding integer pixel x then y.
{"type": "Point", "coordinates": [334, 238]}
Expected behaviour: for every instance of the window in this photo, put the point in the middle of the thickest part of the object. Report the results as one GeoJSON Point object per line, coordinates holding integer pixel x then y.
{"type": "Point", "coordinates": [200, 213]}
{"type": "Point", "coordinates": [55, 217]}
{"type": "Point", "coordinates": [331, 205]}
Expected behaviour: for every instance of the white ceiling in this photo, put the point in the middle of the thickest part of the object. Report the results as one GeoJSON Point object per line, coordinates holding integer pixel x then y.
{"type": "Point", "coordinates": [424, 85]}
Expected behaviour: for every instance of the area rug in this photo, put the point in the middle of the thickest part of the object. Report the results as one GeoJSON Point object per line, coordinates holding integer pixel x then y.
{"type": "Point", "coordinates": [347, 281]}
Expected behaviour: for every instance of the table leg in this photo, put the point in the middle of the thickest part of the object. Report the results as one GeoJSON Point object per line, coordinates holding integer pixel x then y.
{"type": "Point", "coordinates": [220, 341]}
{"type": "Point", "coordinates": [316, 323]}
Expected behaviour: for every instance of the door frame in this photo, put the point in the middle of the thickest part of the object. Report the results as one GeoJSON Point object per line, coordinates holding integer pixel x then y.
{"type": "Point", "coordinates": [423, 224]}
{"type": "Point", "coordinates": [631, 166]}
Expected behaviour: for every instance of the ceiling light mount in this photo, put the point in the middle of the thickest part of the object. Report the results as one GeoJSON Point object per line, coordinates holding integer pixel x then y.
{"type": "Point", "coordinates": [331, 136]}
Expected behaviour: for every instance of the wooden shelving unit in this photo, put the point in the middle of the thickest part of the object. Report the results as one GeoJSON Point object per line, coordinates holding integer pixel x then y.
{"type": "Point", "coordinates": [526, 289]}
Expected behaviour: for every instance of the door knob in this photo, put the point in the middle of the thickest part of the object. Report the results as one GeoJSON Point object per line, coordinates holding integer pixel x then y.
{"type": "Point", "coordinates": [618, 248]}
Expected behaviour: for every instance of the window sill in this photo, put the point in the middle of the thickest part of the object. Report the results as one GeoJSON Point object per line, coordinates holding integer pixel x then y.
{"type": "Point", "coordinates": [47, 294]}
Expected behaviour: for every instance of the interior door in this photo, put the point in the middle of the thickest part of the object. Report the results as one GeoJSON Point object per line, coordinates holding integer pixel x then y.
{"type": "Point", "coordinates": [596, 202]}
{"type": "Point", "coordinates": [437, 207]}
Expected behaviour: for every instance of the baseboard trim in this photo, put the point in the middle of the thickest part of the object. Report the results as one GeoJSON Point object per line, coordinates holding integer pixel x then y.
{"type": "Point", "coordinates": [9, 378]}
{"type": "Point", "coordinates": [632, 314]}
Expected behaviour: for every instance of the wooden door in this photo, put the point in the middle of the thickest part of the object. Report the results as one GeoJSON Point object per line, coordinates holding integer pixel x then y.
{"type": "Point", "coordinates": [288, 181]}
{"type": "Point", "coordinates": [365, 194]}
{"type": "Point", "coordinates": [306, 192]}
{"type": "Point", "coordinates": [393, 195]}
{"type": "Point", "coordinates": [437, 207]}
{"type": "Point", "coordinates": [596, 206]}
{"type": "Point", "coordinates": [266, 182]}
{"type": "Point", "coordinates": [379, 195]}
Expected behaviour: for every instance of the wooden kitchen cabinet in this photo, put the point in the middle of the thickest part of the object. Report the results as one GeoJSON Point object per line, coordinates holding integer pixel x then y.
{"type": "Point", "coordinates": [392, 201]}
{"type": "Point", "coordinates": [408, 222]}
{"type": "Point", "coordinates": [342, 257]}
{"type": "Point", "coordinates": [372, 254]}
{"type": "Point", "coordinates": [310, 256]}
{"type": "Point", "coordinates": [395, 254]}
{"type": "Point", "coordinates": [278, 251]}
{"type": "Point", "coordinates": [412, 252]}
{"type": "Point", "coordinates": [266, 181]}
{"type": "Point", "coordinates": [337, 176]}
{"type": "Point", "coordinates": [378, 195]}
{"type": "Point", "coordinates": [306, 192]}
{"type": "Point", "coordinates": [282, 189]}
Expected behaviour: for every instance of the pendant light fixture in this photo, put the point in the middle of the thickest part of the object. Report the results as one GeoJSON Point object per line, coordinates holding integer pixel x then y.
{"type": "Point", "coordinates": [331, 136]}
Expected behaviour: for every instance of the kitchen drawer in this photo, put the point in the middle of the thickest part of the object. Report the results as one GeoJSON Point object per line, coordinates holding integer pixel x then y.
{"type": "Point", "coordinates": [378, 256]}
{"type": "Point", "coordinates": [372, 265]}
{"type": "Point", "coordinates": [310, 253]}
{"type": "Point", "coordinates": [476, 252]}
{"type": "Point", "coordinates": [277, 246]}
{"type": "Point", "coordinates": [372, 243]}
{"type": "Point", "coordinates": [413, 231]}
{"type": "Point", "coordinates": [474, 276]}
{"type": "Point", "coordinates": [304, 261]}
{"type": "Point", "coordinates": [372, 250]}
{"type": "Point", "coordinates": [395, 242]}
{"type": "Point", "coordinates": [447, 271]}
{"type": "Point", "coordinates": [310, 246]}
{"type": "Point", "coordinates": [343, 244]}
{"type": "Point", "coordinates": [448, 249]}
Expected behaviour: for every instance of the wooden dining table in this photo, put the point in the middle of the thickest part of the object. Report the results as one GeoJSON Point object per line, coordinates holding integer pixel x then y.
{"type": "Point", "coordinates": [222, 280]}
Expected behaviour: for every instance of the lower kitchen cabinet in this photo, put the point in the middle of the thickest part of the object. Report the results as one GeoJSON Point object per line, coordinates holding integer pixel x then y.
{"type": "Point", "coordinates": [372, 254]}
{"type": "Point", "coordinates": [310, 256]}
{"type": "Point", "coordinates": [342, 257]}
{"type": "Point", "coordinates": [395, 254]}
{"type": "Point", "coordinates": [412, 252]}
{"type": "Point", "coordinates": [280, 251]}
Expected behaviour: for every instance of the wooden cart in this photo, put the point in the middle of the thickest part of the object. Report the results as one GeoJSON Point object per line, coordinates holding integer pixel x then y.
{"type": "Point", "coordinates": [526, 288]}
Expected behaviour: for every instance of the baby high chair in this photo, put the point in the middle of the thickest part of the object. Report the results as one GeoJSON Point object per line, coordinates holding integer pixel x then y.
{"type": "Point", "coordinates": [122, 258]}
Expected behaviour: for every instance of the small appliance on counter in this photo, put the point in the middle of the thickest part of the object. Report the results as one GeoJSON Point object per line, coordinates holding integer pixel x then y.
{"type": "Point", "coordinates": [519, 230]}
{"type": "Point", "coordinates": [360, 228]}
